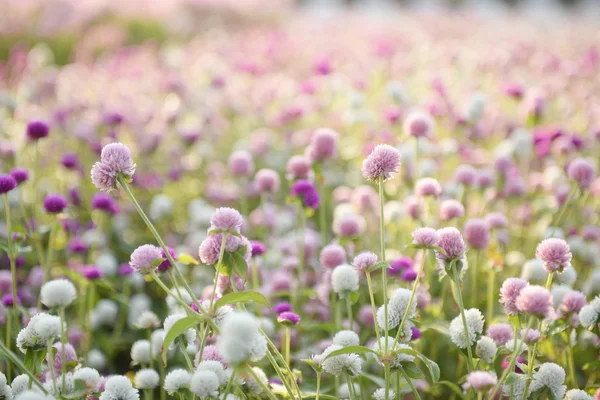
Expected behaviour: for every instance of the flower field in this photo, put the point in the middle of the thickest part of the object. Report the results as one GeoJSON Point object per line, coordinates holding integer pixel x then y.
{"type": "Point", "coordinates": [227, 200]}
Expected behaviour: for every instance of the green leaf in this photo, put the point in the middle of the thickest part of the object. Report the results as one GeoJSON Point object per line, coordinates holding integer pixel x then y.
{"type": "Point", "coordinates": [593, 365]}
{"type": "Point", "coordinates": [177, 329]}
{"type": "Point", "coordinates": [312, 364]}
{"type": "Point", "coordinates": [412, 370]}
{"type": "Point", "coordinates": [242, 297]}
{"type": "Point", "coordinates": [453, 386]}
{"type": "Point", "coordinates": [512, 378]}
{"type": "Point", "coordinates": [433, 370]}
{"type": "Point", "coordinates": [239, 265]}
{"type": "Point", "coordinates": [379, 265]}
{"type": "Point", "coordinates": [350, 349]}
{"type": "Point", "coordinates": [353, 297]}
{"type": "Point", "coordinates": [186, 259]}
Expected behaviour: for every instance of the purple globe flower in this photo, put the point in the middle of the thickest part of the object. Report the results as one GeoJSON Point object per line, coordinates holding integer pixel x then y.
{"type": "Point", "coordinates": [37, 130]}
{"type": "Point", "coordinates": [77, 245]}
{"type": "Point", "coordinates": [91, 272]}
{"type": "Point", "coordinates": [555, 253]}
{"type": "Point", "coordinates": [258, 248]}
{"type": "Point", "coordinates": [55, 203]}
{"type": "Point", "coordinates": [70, 161]}
{"type": "Point", "coordinates": [166, 265]}
{"type": "Point", "coordinates": [115, 159]}
{"type": "Point", "coordinates": [7, 183]}
{"type": "Point", "coordinates": [288, 318]}
{"type": "Point", "coordinates": [323, 145]}
{"type": "Point", "coordinates": [582, 171]}
{"type": "Point", "coordinates": [105, 202]}
{"type": "Point", "coordinates": [8, 301]}
{"type": "Point", "coordinates": [409, 275]}
{"type": "Point", "coordinates": [20, 175]}
{"type": "Point", "coordinates": [400, 264]}
{"type": "Point", "coordinates": [308, 192]}
{"type": "Point", "coordinates": [282, 307]}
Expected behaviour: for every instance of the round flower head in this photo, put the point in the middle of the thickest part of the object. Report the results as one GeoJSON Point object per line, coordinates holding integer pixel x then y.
{"type": "Point", "coordinates": [68, 353]}
{"type": "Point", "coordinates": [59, 292]}
{"type": "Point", "coordinates": [288, 318]}
{"type": "Point", "coordinates": [550, 376]}
{"type": "Point", "coordinates": [7, 183]}
{"type": "Point", "coordinates": [399, 301]}
{"type": "Point", "coordinates": [323, 145]}
{"type": "Point", "coordinates": [510, 290]}
{"type": "Point", "coordinates": [70, 161]}
{"type": "Point", "coordinates": [240, 340]}
{"type": "Point", "coordinates": [267, 181]}
{"type": "Point", "coordinates": [105, 202]}
{"type": "Point", "coordinates": [332, 255]}
{"type": "Point", "coordinates": [20, 175]}
{"type": "Point", "coordinates": [465, 174]}
{"type": "Point", "coordinates": [379, 394]}
{"type": "Point", "coordinates": [146, 378]}
{"type": "Point", "coordinates": [572, 302]}
{"type": "Point", "coordinates": [450, 209]}
{"type": "Point", "coordinates": [298, 167]}
{"type": "Point", "coordinates": [419, 124]}
{"type": "Point", "coordinates": [577, 394]}
{"type": "Point", "coordinates": [486, 349]}
{"type": "Point", "coordinates": [147, 320]}
{"type": "Point", "coordinates": [481, 380]}
{"type": "Point", "coordinates": [428, 187]}
{"type": "Point", "coordinates": [119, 387]}
{"type": "Point", "coordinates": [477, 233]}
{"type": "Point", "coordinates": [589, 314]}
{"type": "Point", "coordinates": [37, 130]}
{"type": "Point", "coordinates": [176, 380]}
{"type": "Point", "coordinates": [451, 241]}
{"type": "Point", "coordinates": [346, 338]}
{"type": "Point", "coordinates": [307, 192]}
{"type": "Point", "coordinates": [227, 219]}
{"type": "Point", "coordinates": [496, 220]}
{"type": "Point", "coordinates": [5, 390]}
{"type": "Point", "coordinates": [344, 279]}
{"type": "Point", "coordinates": [140, 352]}
{"type": "Point", "coordinates": [364, 260]}
{"type": "Point", "coordinates": [349, 226]}
{"type": "Point", "coordinates": [204, 383]}
{"type": "Point", "coordinates": [241, 163]}
{"type": "Point", "coordinates": [535, 300]}
{"type": "Point", "coordinates": [383, 162]}
{"type": "Point", "coordinates": [115, 159]}
{"type": "Point", "coordinates": [474, 324]}
{"type": "Point", "coordinates": [350, 363]}
{"type": "Point", "coordinates": [425, 237]}
{"type": "Point", "coordinates": [144, 258]}
{"type": "Point", "coordinates": [582, 171]}
{"type": "Point", "coordinates": [555, 253]}
{"type": "Point", "coordinates": [500, 333]}
{"type": "Point", "coordinates": [282, 307]}
{"type": "Point", "coordinates": [55, 203]}
{"type": "Point", "coordinates": [89, 376]}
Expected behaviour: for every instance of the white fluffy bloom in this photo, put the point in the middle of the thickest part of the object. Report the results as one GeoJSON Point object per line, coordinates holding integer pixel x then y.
{"type": "Point", "coordinates": [58, 293]}
{"type": "Point", "coordinates": [344, 391]}
{"type": "Point", "coordinates": [558, 292]}
{"type": "Point", "coordinates": [252, 385]}
{"type": "Point", "coordinates": [105, 313]}
{"type": "Point", "coordinates": [5, 390]}
{"type": "Point", "coordinates": [146, 378]}
{"type": "Point", "coordinates": [346, 338]}
{"type": "Point", "coordinates": [344, 363]}
{"type": "Point", "coordinates": [551, 376]}
{"type": "Point", "coordinates": [30, 337]}
{"type": "Point", "coordinates": [33, 395]}
{"type": "Point", "coordinates": [89, 376]}
{"type": "Point", "coordinates": [96, 359]}
{"type": "Point", "coordinates": [486, 349]}
{"type": "Point", "coordinates": [216, 367]}
{"type": "Point", "coordinates": [589, 314]}
{"type": "Point", "coordinates": [379, 394]}
{"type": "Point", "coordinates": [140, 352]}
{"type": "Point", "coordinates": [147, 320]}
{"type": "Point", "coordinates": [204, 383]}
{"type": "Point", "coordinates": [47, 326]}
{"type": "Point", "coordinates": [67, 388]}
{"type": "Point", "coordinates": [344, 278]}
{"type": "Point", "coordinates": [20, 384]}
{"type": "Point", "coordinates": [176, 379]}
{"type": "Point", "coordinates": [534, 271]}
{"type": "Point", "coordinates": [119, 388]}
{"type": "Point", "coordinates": [240, 339]}
{"type": "Point", "coordinates": [394, 317]}
{"type": "Point", "coordinates": [157, 339]}
{"type": "Point", "coordinates": [474, 325]}
{"type": "Point", "coordinates": [577, 394]}
{"type": "Point", "coordinates": [568, 277]}
{"type": "Point", "coordinates": [189, 334]}
{"type": "Point", "coordinates": [400, 299]}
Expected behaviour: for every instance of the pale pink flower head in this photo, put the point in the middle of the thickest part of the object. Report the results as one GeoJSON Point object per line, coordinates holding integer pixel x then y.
{"type": "Point", "coordinates": [481, 380]}
{"type": "Point", "coordinates": [509, 292]}
{"type": "Point", "coordinates": [496, 220]}
{"type": "Point", "coordinates": [465, 174]}
{"type": "Point", "coordinates": [500, 333]}
{"type": "Point", "coordinates": [451, 241]}
{"type": "Point", "coordinates": [383, 162]}
{"type": "Point", "coordinates": [364, 260]}
{"type": "Point", "coordinates": [241, 163]}
{"type": "Point", "coordinates": [267, 181]}
{"type": "Point", "coordinates": [332, 255]}
{"type": "Point", "coordinates": [412, 207]}
{"type": "Point", "coordinates": [419, 124]}
{"type": "Point", "coordinates": [226, 219]}
{"type": "Point", "coordinates": [144, 257]}
{"type": "Point", "coordinates": [450, 209]}
{"type": "Point", "coordinates": [425, 237]}
{"type": "Point", "coordinates": [582, 171]}
{"type": "Point", "coordinates": [555, 253]}
{"type": "Point", "coordinates": [323, 145]}
{"type": "Point", "coordinates": [349, 226]}
{"type": "Point", "coordinates": [115, 159]}
{"type": "Point", "coordinates": [428, 187]}
{"type": "Point", "coordinates": [572, 302]}
{"type": "Point", "coordinates": [535, 300]}
{"type": "Point", "coordinates": [477, 233]}
{"type": "Point", "coordinates": [298, 167]}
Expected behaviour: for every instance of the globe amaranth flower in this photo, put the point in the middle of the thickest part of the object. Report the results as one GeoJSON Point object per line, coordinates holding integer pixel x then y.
{"type": "Point", "coordinates": [425, 237]}
{"type": "Point", "coordinates": [348, 363]}
{"type": "Point", "coordinates": [426, 187]}
{"type": "Point", "coordinates": [267, 181]}
{"type": "Point", "coordinates": [589, 315]}
{"type": "Point", "coordinates": [364, 261]}
{"type": "Point", "coordinates": [105, 202]}
{"type": "Point", "coordinates": [555, 253]}
{"type": "Point", "coordinates": [281, 307]}
{"type": "Point", "coordinates": [144, 258]}
{"type": "Point", "coordinates": [225, 219]}
{"type": "Point", "coordinates": [477, 233]}
{"type": "Point", "coordinates": [241, 163]}
{"type": "Point", "coordinates": [383, 162]}
{"type": "Point", "coordinates": [451, 242]}
{"type": "Point", "coordinates": [323, 145]}
{"type": "Point", "coordinates": [176, 380]}
{"type": "Point", "coordinates": [535, 300]}
{"type": "Point", "coordinates": [146, 378]}
{"type": "Point", "coordinates": [582, 171]}
{"type": "Point", "coordinates": [204, 383]}
{"type": "Point", "coordinates": [37, 129]}
{"type": "Point", "coordinates": [307, 192]}
{"type": "Point", "coordinates": [298, 167]}
{"type": "Point", "coordinates": [450, 209]}
{"type": "Point", "coordinates": [332, 255]}
{"type": "Point", "coordinates": [344, 279]}
{"type": "Point", "coordinates": [210, 247]}
{"type": "Point", "coordinates": [510, 290]}
{"type": "Point", "coordinates": [486, 349]}
{"type": "Point", "coordinates": [550, 376]}
{"type": "Point", "coordinates": [115, 159]}
{"type": "Point", "coordinates": [419, 124]}
{"type": "Point", "coordinates": [475, 322]}
{"type": "Point", "coordinates": [481, 380]}
{"type": "Point", "coordinates": [7, 183]}
{"type": "Point", "coordinates": [20, 175]}
{"type": "Point", "coordinates": [240, 339]}
{"type": "Point", "coordinates": [288, 318]}
{"type": "Point", "coordinates": [55, 203]}
{"type": "Point", "coordinates": [500, 333]}
{"type": "Point", "coordinates": [346, 338]}
{"type": "Point", "coordinates": [58, 293]}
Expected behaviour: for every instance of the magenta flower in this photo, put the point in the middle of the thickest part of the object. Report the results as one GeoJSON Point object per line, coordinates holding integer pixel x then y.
{"type": "Point", "coordinates": [20, 175]}
{"type": "Point", "coordinates": [288, 318]}
{"type": "Point", "coordinates": [37, 130]}
{"type": "Point", "coordinates": [308, 192]}
{"type": "Point", "coordinates": [7, 183]}
{"type": "Point", "coordinates": [55, 203]}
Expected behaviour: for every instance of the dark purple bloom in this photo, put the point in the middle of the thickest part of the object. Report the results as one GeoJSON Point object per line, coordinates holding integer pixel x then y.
{"type": "Point", "coordinates": [70, 161]}
{"type": "Point", "coordinates": [288, 318]}
{"type": "Point", "coordinates": [282, 307]}
{"type": "Point", "coordinates": [416, 333]}
{"type": "Point", "coordinates": [7, 183]}
{"type": "Point", "coordinates": [7, 300]}
{"type": "Point", "coordinates": [105, 202]}
{"type": "Point", "coordinates": [165, 265]}
{"type": "Point", "coordinates": [75, 197]}
{"type": "Point", "coordinates": [77, 245]}
{"type": "Point", "coordinates": [258, 248]}
{"type": "Point", "coordinates": [308, 192]}
{"type": "Point", "coordinates": [20, 175]}
{"type": "Point", "coordinates": [92, 272]}
{"type": "Point", "coordinates": [409, 275]}
{"type": "Point", "coordinates": [37, 130]}
{"type": "Point", "coordinates": [125, 269]}
{"type": "Point", "coordinates": [55, 203]}
{"type": "Point", "coordinates": [399, 264]}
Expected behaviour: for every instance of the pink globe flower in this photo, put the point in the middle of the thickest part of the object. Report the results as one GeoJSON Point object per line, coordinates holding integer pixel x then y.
{"type": "Point", "coordinates": [332, 255]}
{"type": "Point", "coordinates": [428, 187]}
{"type": "Point", "coordinates": [241, 163]}
{"type": "Point", "coordinates": [451, 241]}
{"type": "Point", "coordinates": [477, 233]}
{"type": "Point", "coordinates": [425, 237]}
{"type": "Point", "coordinates": [500, 333]}
{"type": "Point", "coordinates": [582, 171]}
{"type": "Point", "coordinates": [383, 162]}
{"type": "Point", "coordinates": [535, 300]}
{"type": "Point", "coordinates": [481, 380]}
{"type": "Point", "coordinates": [450, 209]}
{"type": "Point", "coordinates": [323, 145]}
{"type": "Point", "coordinates": [419, 124]}
{"type": "Point", "coordinates": [510, 290]}
{"type": "Point", "coordinates": [555, 253]}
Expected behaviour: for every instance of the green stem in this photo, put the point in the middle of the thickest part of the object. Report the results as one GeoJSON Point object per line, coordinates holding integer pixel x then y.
{"type": "Point", "coordinates": [16, 361]}
{"type": "Point", "coordinates": [318, 385]}
{"type": "Point", "coordinates": [13, 267]}
{"type": "Point", "coordinates": [373, 309]}
{"type": "Point", "coordinates": [384, 270]}
{"type": "Point", "coordinates": [287, 340]}
{"type": "Point", "coordinates": [63, 342]}
{"type": "Point", "coordinates": [461, 306]}
{"type": "Point", "coordinates": [90, 305]}
{"type": "Point", "coordinates": [349, 310]}
{"type": "Point", "coordinates": [228, 388]}
{"type": "Point", "coordinates": [50, 361]}
{"type": "Point", "coordinates": [219, 264]}
{"type": "Point", "coordinates": [161, 369]}
{"type": "Point", "coordinates": [410, 383]}
{"type": "Point", "coordinates": [351, 390]}
{"type": "Point", "coordinates": [474, 278]}
{"type": "Point", "coordinates": [410, 301]}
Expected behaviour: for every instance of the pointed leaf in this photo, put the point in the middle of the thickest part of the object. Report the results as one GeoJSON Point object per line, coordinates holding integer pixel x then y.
{"type": "Point", "coordinates": [239, 266]}
{"type": "Point", "coordinates": [242, 297]}
{"type": "Point", "coordinates": [453, 386]}
{"type": "Point", "coordinates": [177, 329]}
{"type": "Point", "coordinates": [351, 349]}
{"type": "Point", "coordinates": [186, 259]}
{"type": "Point", "coordinates": [412, 370]}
